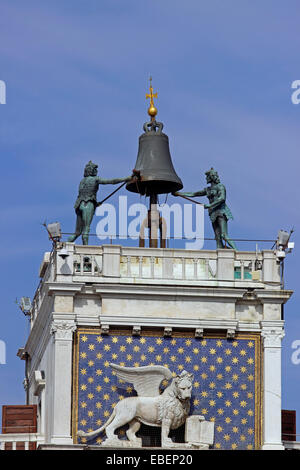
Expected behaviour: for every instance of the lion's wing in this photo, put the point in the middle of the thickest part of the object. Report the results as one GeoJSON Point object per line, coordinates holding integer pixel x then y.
{"type": "Point", "coordinates": [146, 380]}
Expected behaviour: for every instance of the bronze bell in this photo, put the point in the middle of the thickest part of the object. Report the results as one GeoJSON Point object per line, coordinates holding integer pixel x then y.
{"type": "Point", "coordinates": [157, 174]}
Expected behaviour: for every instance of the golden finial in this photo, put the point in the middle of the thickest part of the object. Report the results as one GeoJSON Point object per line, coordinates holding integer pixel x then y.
{"type": "Point", "coordinates": [152, 111]}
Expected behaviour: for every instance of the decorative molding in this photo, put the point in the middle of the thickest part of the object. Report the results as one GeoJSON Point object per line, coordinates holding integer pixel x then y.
{"type": "Point", "coordinates": [199, 333]}
{"type": "Point", "coordinates": [136, 330]}
{"type": "Point", "coordinates": [104, 328]}
{"type": "Point", "coordinates": [167, 332]}
{"type": "Point", "coordinates": [63, 329]}
{"type": "Point", "coordinates": [230, 333]}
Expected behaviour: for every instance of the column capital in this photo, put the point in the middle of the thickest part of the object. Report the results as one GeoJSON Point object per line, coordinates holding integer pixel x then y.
{"type": "Point", "coordinates": [272, 337]}
{"type": "Point", "coordinates": [63, 329]}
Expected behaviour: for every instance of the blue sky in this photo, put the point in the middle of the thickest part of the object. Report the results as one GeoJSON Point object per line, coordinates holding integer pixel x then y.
{"type": "Point", "coordinates": [76, 76]}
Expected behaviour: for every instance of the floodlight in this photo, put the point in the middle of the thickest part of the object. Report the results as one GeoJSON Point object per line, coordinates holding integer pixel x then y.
{"type": "Point", "coordinates": [283, 238]}
{"type": "Point", "coordinates": [25, 304]}
{"type": "Point", "coordinates": [54, 230]}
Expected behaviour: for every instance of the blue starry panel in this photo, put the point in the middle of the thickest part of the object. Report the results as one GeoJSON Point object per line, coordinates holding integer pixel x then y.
{"type": "Point", "coordinates": [226, 388]}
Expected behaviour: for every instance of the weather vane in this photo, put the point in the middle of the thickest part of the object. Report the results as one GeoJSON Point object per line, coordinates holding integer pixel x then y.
{"type": "Point", "coordinates": [152, 110]}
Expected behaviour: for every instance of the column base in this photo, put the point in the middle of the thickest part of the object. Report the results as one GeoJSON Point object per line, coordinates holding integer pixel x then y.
{"type": "Point", "coordinates": [62, 440]}
{"type": "Point", "coordinates": [273, 446]}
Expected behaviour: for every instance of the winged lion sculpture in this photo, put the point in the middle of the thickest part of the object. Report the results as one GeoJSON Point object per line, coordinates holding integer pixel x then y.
{"type": "Point", "coordinates": [167, 410]}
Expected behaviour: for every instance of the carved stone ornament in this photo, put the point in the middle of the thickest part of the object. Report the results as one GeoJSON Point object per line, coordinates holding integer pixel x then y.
{"type": "Point", "coordinates": [63, 329]}
{"type": "Point", "coordinates": [272, 338]}
{"type": "Point", "coordinates": [168, 410]}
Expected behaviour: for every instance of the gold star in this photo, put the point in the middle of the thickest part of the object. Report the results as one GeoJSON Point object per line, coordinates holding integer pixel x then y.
{"type": "Point", "coordinates": [136, 364]}
{"type": "Point", "coordinates": [203, 359]}
{"type": "Point", "coordinates": [235, 412]}
{"type": "Point", "coordinates": [235, 377]}
{"type": "Point", "coordinates": [249, 447]}
{"type": "Point", "coordinates": [129, 340]}
{"type": "Point", "coordinates": [83, 387]}
{"type": "Point", "coordinates": [107, 347]}
{"type": "Point", "coordinates": [212, 385]}
{"type": "Point", "coordinates": [159, 341]}
{"type": "Point", "coordinates": [83, 355]}
{"type": "Point", "coordinates": [235, 360]}
{"type": "Point", "coordinates": [235, 429]}
{"type": "Point", "coordinates": [142, 340]}
{"type": "Point", "coordinates": [114, 339]}
{"type": "Point", "coordinates": [204, 411]}
{"type": "Point", "coordinates": [250, 378]}
{"type": "Point", "coordinates": [90, 380]}
{"type": "Point", "coordinates": [83, 371]}
{"type": "Point", "coordinates": [243, 369]}
{"type": "Point", "coordinates": [196, 402]}
{"type": "Point", "coordinates": [143, 357]}
{"type": "Point", "coordinates": [188, 342]}
{"type": "Point", "coordinates": [136, 348]}
{"type": "Point", "coordinates": [83, 404]}
{"type": "Point", "coordinates": [114, 356]}
{"type": "Point", "coordinates": [250, 412]}
{"type": "Point", "coordinates": [235, 344]}
{"type": "Point", "coordinates": [218, 445]}
{"type": "Point", "coordinates": [250, 395]}
{"type": "Point", "coordinates": [219, 428]}
{"type": "Point", "coordinates": [244, 420]}
{"type": "Point", "coordinates": [234, 446]}
{"type": "Point", "coordinates": [228, 403]}
{"type": "Point", "coordinates": [151, 349]}
{"type": "Point", "coordinates": [122, 348]}
{"type": "Point", "coordinates": [99, 356]}
{"type": "Point", "coordinates": [228, 386]}
{"type": "Point", "coordinates": [90, 396]}
{"type": "Point", "coordinates": [98, 372]}
{"type": "Point", "coordinates": [90, 413]}
{"type": "Point", "coordinates": [220, 376]}
{"type": "Point", "coordinates": [106, 396]}
{"type": "Point", "coordinates": [212, 351]}
{"type": "Point", "coordinates": [212, 403]}
{"type": "Point", "coordinates": [106, 364]}
{"type": "Point", "coordinates": [204, 394]}
{"type": "Point", "coordinates": [129, 357]}
{"type": "Point", "coordinates": [204, 376]}
{"type": "Point", "coordinates": [158, 358]}
{"type": "Point", "coordinates": [219, 360]}
{"type": "Point", "coordinates": [235, 394]}
{"type": "Point", "coordinates": [173, 358]}
{"type": "Point", "coordinates": [219, 394]}
{"type": "Point", "coordinates": [250, 431]}
{"type": "Point", "coordinates": [220, 411]}
{"type": "Point", "coordinates": [196, 384]}
{"type": "Point", "coordinates": [196, 367]}
{"type": "Point", "coordinates": [212, 368]}
{"type": "Point", "coordinates": [91, 347]}
{"type": "Point", "coordinates": [243, 352]}
{"type": "Point", "coordinates": [173, 342]}
{"type": "Point", "coordinates": [203, 342]}
{"type": "Point", "coordinates": [91, 363]}
{"type": "Point", "coordinates": [84, 338]}
{"type": "Point", "coordinates": [98, 388]}
{"type": "Point", "coordinates": [106, 380]}
{"type": "Point", "coordinates": [188, 359]}
{"type": "Point", "coordinates": [106, 413]}
{"type": "Point", "coordinates": [180, 350]}
{"type": "Point", "coordinates": [166, 350]}
{"type": "Point", "coordinates": [227, 352]}
{"type": "Point", "coordinates": [242, 437]}
{"type": "Point", "coordinates": [228, 368]}
{"type": "Point", "coordinates": [196, 351]}
{"type": "Point", "coordinates": [250, 360]}
{"type": "Point", "coordinates": [99, 339]}
{"type": "Point", "coordinates": [250, 344]}
{"type": "Point", "coordinates": [83, 422]}
{"type": "Point", "coordinates": [98, 406]}
{"type": "Point", "coordinates": [226, 437]}
{"type": "Point", "coordinates": [219, 343]}
{"type": "Point", "coordinates": [243, 386]}
{"type": "Point", "coordinates": [228, 420]}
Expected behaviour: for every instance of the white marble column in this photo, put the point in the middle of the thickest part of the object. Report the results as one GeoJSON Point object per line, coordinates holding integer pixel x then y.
{"type": "Point", "coordinates": [272, 337]}
{"type": "Point", "coordinates": [62, 381]}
